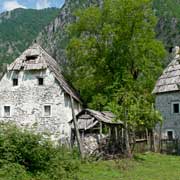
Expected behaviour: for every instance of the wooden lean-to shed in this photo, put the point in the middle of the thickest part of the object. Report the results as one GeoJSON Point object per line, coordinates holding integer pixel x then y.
{"type": "Point", "coordinates": [99, 131]}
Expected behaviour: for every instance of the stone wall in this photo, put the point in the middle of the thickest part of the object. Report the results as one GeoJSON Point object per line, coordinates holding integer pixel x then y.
{"type": "Point", "coordinates": [27, 101]}
{"type": "Point", "coordinates": [171, 121]}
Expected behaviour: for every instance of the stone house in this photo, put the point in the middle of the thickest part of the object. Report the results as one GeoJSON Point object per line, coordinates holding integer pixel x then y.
{"type": "Point", "coordinates": [34, 95]}
{"type": "Point", "coordinates": [167, 91]}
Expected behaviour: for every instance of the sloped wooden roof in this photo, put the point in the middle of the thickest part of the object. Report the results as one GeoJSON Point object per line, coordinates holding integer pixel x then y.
{"type": "Point", "coordinates": [88, 118]}
{"type": "Point", "coordinates": [169, 81]}
{"type": "Point", "coordinates": [36, 58]}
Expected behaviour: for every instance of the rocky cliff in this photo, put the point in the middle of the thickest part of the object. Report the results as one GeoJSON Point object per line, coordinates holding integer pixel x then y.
{"type": "Point", "coordinates": [54, 37]}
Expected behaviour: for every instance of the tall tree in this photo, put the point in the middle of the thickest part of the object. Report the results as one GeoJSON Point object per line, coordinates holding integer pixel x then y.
{"type": "Point", "coordinates": [113, 46]}
{"type": "Point", "coordinates": [115, 59]}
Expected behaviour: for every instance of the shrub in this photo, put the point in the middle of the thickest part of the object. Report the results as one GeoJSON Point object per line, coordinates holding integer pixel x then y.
{"type": "Point", "coordinates": [25, 148]}
{"type": "Point", "coordinates": [26, 155]}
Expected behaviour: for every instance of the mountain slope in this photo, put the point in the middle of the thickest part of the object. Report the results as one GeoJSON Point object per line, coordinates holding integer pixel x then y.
{"type": "Point", "coordinates": [19, 28]}
{"type": "Point", "coordinates": [54, 38]}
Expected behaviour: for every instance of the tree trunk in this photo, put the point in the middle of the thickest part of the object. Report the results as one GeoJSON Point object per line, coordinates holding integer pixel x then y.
{"type": "Point", "coordinates": [127, 143]}
{"type": "Point", "coordinates": [76, 129]}
{"type": "Point", "coordinates": [154, 141]}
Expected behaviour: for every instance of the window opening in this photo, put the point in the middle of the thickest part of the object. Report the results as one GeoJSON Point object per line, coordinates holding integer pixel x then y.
{"type": "Point", "coordinates": [15, 82]}
{"type": "Point", "coordinates": [7, 111]}
{"type": "Point", "coordinates": [47, 110]}
{"type": "Point", "coordinates": [41, 81]}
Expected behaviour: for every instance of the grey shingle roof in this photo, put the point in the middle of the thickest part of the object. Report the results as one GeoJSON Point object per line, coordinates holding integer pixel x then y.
{"type": "Point", "coordinates": [170, 79]}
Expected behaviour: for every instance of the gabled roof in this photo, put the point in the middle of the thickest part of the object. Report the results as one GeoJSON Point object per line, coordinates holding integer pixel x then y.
{"type": "Point", "coordinates": [36, 58]}
{"type": "Point", "coordinates": [88, 118]}
{"type": "Point", "coordinates": [169, 81]}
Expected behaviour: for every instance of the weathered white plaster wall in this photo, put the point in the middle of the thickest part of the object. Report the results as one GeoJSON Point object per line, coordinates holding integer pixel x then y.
{"type": "Point", "coordinates": [27, 102]}
{"type": "Point", "coordinates": [171, 121]}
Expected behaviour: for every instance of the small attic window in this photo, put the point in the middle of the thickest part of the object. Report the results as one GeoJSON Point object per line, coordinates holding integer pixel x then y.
{"type": "Point", "coordinates": [15, 82]}
{"type": "Point", "coordinates": [40, 81]}
{"type": "Point", "coordinates": [31, 57]}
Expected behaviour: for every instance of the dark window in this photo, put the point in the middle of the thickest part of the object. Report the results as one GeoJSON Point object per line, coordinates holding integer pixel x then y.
{"type": "Point", "coordinates": [47, 110]}
{"type": "Point", "coordinates": [40, 81]}
{"type": "Point", "coordinates": [171, 49]}
{"type": "Point", "coordinates": [176, 108]}
{"type": "Point", "coordinates": [31, 57]}
{"type": "Point", "coordinates": [170, 135]}
{"type": "Point", "coordinates": [15, 82]}
{"type": "Point", "coordinates": [7, 111]}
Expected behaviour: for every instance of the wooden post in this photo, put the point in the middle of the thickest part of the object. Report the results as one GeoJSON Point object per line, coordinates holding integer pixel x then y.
{"type": "Point", "coordinates": [154, 141]}
{"type": "Point", "coordinates": [100, 123]}
{"type": "Point", "coordinates": [116, 133]}
{"type": "Point", "coordinates": [126, 133]}
{"type": "Point", "coordinates": [160, 137]}
{"type": "Point", "coordinates": [128, 148]}
{"type": "Point", "coordinates": [148, 140]}
{"type": "Point", "coordinates": [76, 129]}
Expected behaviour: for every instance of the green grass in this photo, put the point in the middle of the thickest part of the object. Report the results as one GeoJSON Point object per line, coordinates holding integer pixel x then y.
{"type": "Point", "coordinates": [144, 167]}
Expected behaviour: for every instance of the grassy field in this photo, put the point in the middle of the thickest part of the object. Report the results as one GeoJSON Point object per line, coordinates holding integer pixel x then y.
{"type": "Point", "coordinates": [148, 166]}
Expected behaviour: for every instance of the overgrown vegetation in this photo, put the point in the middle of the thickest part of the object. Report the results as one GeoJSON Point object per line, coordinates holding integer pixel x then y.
{"type": "Point", "coordinates": [25, 156]}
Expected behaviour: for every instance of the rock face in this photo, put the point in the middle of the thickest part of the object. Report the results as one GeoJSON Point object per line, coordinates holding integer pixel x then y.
{"type": "Point", "coordinates": [54, 37]}
{"type": "Point", "coordinates": [34, 96]}
{"type": "Point", "coordinates": [168, 13]}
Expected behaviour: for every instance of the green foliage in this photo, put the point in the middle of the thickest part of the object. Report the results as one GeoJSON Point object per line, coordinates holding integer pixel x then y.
{"type": "Point", "coordinates": [24, 155]}
{"type": "Point", "coordinates": [24, 148]}
{"type": "Point", "coordinates": [115, 58]}
{"type": "Point", "coordinates": [135, 109]}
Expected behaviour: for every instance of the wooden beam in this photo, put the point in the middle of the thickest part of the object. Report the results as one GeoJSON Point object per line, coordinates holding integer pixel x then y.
{"type": "Point", "coordinates": [100, 129]}
{"type": "Point", "coordinates": [76, 129]}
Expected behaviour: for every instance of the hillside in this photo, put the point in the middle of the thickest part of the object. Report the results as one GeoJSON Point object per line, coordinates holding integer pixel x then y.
{"type": "Point", "coordinates": [55, 33]}
{"type": "Point", "coordinates": [19, 28]}
{"type": "Point", "coordinates": [168, 31]}
{"type": "Point", "coordinates": [49, 27]}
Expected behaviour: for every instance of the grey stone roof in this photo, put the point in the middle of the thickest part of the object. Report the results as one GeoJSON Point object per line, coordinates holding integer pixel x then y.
{"type": "Point", "coordinates": [36, 58]}
{"type": "Point", "coordinates": [170, 79]}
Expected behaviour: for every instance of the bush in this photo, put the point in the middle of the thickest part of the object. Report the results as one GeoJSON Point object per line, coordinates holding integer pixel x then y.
{"type": "Point", "coordinates": [25, 148]}
{"type": "Point", "coordinates": [13, 171]}
{"type": "Point", "coordinates": [24, 154]}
